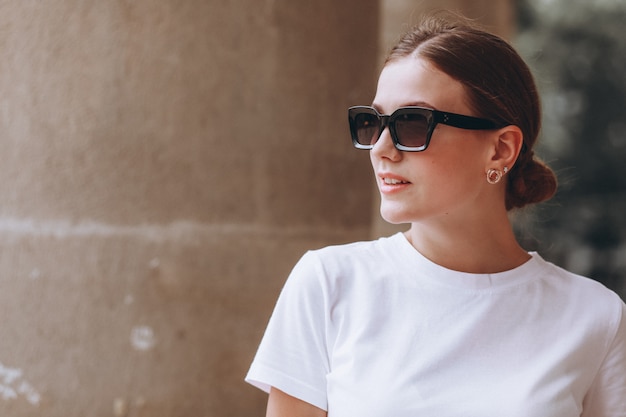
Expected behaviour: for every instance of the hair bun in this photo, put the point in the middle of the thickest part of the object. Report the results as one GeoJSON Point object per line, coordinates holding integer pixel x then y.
{"type": "Point", "coordinates": [530, 181]}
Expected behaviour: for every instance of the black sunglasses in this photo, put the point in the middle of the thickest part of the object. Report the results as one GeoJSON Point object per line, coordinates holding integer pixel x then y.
{"type": "Point", "coordinates": [410, 127]}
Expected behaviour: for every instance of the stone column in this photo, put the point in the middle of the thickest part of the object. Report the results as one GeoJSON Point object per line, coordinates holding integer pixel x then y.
{"type": "Point", "coordinates": [165, 164]}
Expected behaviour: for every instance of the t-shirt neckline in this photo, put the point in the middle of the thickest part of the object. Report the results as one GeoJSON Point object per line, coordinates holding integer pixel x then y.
{"type": "Point", "coordinates": [441, 275]}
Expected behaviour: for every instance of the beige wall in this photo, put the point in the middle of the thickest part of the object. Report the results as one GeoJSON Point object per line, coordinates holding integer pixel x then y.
{"type": "Point", "coordinates": [165, 164]}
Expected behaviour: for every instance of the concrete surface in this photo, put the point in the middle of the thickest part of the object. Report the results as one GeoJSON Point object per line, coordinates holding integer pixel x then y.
{"type": "Point", "coordinates": [165, 164]}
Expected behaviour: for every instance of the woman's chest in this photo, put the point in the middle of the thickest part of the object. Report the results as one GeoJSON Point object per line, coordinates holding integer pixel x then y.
{"type": "Point", "coordinates": [455, 357]}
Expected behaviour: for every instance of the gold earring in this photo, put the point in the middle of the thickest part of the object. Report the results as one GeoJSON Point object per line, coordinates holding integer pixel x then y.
{"type": "Point", "coordinates": [494, 176]}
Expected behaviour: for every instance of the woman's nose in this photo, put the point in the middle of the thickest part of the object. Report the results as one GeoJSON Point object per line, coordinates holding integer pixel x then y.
{"type": "Point", "coordinates": [385, 148]}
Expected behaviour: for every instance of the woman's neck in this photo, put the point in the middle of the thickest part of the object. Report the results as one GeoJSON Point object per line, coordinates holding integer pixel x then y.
{"type": "Point", "coordinates": [474, 247]}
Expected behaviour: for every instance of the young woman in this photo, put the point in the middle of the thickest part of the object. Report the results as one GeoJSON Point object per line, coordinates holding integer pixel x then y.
{"type": "Point", "coordinates": [453, 317]}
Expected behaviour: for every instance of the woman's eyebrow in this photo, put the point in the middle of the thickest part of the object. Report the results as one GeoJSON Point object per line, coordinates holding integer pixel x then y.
{"type": "Point", "coordinates": [419, 104]}
{"type": "Point", "coordinates": [409, 104]}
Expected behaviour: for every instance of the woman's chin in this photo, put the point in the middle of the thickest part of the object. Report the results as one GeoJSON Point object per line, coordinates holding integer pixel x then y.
{"type": "Point", "coordinates": [393, 216]}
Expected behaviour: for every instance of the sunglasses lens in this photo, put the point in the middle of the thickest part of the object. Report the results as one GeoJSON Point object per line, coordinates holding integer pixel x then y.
{"type": "Point", "coordinates": [366, 128]}
{"type": "Point", "coordinates": [412, 129]}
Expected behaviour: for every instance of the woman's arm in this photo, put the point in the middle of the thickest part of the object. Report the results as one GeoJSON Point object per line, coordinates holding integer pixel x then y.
{"type": "Point", "coordinates": [280, 404]}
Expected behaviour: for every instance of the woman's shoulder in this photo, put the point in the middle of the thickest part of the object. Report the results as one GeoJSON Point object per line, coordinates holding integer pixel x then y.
{"type": "Point", "coordinates": [361, 251]}
{"type": "Point", "coordinates": [586, 294]}
{"type": "Point", "coordinates": [348, 262]}
{"type": "Point", "coordinates": [573, 281]}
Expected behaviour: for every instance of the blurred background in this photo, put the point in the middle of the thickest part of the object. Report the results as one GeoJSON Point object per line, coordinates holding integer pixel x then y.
{"type": "Point", "coordinates": [166, 163]}
{"type": "Point", "coordinates": [579, 60]}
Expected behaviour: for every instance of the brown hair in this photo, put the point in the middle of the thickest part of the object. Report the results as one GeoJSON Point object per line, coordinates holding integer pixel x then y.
{"type": "Point", "coordinates": [499, 87]}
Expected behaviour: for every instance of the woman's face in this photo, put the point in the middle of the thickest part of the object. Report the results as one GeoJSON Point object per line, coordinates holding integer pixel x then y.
{"type": "Point", "coordinates": [445, 182]}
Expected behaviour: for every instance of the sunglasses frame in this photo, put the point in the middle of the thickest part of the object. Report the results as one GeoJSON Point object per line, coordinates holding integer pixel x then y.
{"type": "Point", "coordinates": [432, 116]}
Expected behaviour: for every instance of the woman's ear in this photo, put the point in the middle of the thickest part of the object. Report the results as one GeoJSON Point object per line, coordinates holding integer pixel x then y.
{"type": "Point", "coordinates": [507, 147]}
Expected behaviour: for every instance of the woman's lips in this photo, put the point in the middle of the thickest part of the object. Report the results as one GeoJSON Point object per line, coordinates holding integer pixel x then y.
{"type": "Point", "coordinates": [392, 183]}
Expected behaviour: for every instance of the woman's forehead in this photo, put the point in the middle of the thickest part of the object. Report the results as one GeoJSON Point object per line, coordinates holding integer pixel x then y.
{"type": "Point", "coordinates": [414, 81]}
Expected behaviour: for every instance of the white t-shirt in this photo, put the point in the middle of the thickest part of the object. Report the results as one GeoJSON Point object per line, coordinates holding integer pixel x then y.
{"type": "Point", "coordinates": [374, 329]}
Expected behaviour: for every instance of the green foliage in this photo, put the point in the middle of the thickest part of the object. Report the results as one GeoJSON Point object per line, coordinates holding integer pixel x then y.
{"type": "Point", "coordinates": [577, 50]}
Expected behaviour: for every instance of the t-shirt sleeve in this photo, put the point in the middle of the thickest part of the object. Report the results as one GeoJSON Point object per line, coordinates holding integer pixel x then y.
{"type": "Point", "coordinates": [293, 356]}
{"type": "Point", "coordinates": [607, 396]}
